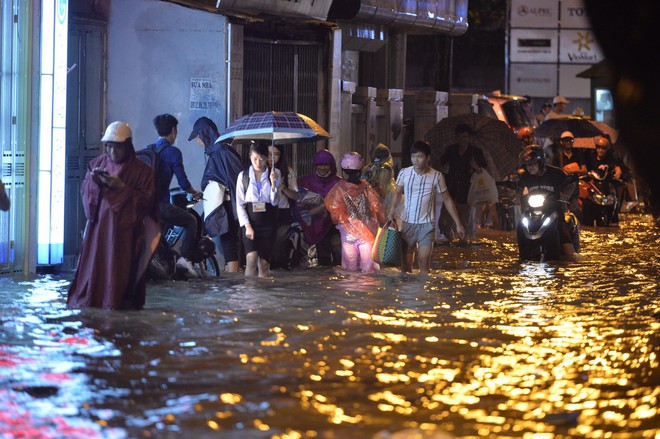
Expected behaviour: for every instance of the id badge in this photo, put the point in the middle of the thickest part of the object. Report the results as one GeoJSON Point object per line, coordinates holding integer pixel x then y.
{"type": "Point", "coordinates": [258, 207]}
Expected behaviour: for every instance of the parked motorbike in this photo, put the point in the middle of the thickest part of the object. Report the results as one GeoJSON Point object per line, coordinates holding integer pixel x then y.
{"type": "Point", "coordinates": [163, 264]}
{"type": "Point", "coordinates": [538, 229]}
{"type": "Point", "coordinates": [598, 199]}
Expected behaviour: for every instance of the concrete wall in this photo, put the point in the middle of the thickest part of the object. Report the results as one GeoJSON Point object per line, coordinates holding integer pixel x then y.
{"type": "Point", "coordinates": [155, 48]}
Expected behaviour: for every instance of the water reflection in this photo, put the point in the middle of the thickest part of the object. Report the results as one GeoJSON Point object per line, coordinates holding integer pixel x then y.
{"type": "Point", "coordinates": [485, 347]}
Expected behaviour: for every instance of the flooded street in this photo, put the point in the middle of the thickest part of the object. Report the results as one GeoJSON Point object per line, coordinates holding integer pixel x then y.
{"type": "Point", "coordinates": [486, 347]}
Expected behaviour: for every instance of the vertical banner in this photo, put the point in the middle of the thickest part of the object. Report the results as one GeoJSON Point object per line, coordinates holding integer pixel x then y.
{"type": "Point", "coordinates": [52, 132]}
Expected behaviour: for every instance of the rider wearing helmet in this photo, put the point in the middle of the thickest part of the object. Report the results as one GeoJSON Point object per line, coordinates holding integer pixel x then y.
{"type": "Point", "coordinates": [603, 164]}
{"type": "Point", "coordinates": [356, 211]}
{"type": "Point", "coordinates": [566, 157]}
{"type": "Point", "coordinates": [536, 174]}
{"type": "Point", "coordinates": [603, 161]}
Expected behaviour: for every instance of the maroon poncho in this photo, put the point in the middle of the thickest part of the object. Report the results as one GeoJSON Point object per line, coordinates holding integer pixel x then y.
{"type": "Point", "coordinates": [316, 231]}
{"type": "Point", "coordinates": [116, 248]}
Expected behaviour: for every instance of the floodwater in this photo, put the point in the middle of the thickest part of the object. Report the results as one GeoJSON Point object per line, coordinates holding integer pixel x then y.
{"type": "Point", "coordinates": [486, 347]}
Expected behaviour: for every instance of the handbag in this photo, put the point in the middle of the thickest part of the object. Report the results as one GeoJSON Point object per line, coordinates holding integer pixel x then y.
{"type": "Point", "coordinates": [387, 247]}
{"type": "Point", "coordinates": [482, 189]}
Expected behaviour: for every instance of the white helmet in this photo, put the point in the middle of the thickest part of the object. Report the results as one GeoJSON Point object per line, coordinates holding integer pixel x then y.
{"type": "Point", "coordinates": [117, 132]}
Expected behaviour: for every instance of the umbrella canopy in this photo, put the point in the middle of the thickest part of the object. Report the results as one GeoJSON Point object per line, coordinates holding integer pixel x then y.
{"type": "Point", "coordinates": [495, 139]}
{"type": "Point", "coordinates": [280, 127]}
{"type": "Point", "coordinates": [589, 142]}
{"type": "Point", "coordinates": [579, 126]}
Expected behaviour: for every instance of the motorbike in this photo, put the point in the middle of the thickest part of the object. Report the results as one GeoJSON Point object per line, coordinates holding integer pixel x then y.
{"type": "Point", "coordinates": [538, 229]}
{"type": "Point", "coordinates": [598, 198]}
{"type": "Point", "coordinates": [163, 264]}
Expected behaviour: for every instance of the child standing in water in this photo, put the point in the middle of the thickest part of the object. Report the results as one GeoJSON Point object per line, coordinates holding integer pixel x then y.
{"type": "Point", "coordinates": [356, 210]}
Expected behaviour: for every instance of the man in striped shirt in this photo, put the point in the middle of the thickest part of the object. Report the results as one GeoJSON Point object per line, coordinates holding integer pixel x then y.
{"type": "Point", "coordinates": [419, 184]}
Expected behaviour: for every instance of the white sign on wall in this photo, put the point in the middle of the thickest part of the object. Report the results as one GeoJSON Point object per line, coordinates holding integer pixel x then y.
{"type": "Point", "coordinates": [204, 93]}
{"type": "Point", "coordinates": [533, 45]}
{"type": "Point", "coordinates": [578, 47]}
{"type": "Point", "coordinates": [571, 85]}
{"type": "Point", "coordinates": [574, 15]}
{"type": "Point", "coordinates": [534, 13]}
{"type": "Point", "coordinates": [535, 80]}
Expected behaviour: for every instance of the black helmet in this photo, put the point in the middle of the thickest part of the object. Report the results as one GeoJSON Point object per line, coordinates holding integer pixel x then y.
{"type": "Point", "coordinates": [532, 154]}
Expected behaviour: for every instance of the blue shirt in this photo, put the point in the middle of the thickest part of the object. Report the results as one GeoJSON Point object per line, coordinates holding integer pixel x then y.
{"type": "Point", "coordinates": [171, 164]}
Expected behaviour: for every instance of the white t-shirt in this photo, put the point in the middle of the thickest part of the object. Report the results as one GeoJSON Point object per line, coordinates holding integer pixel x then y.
{"type": "Point", "coordinates": [419, 191]}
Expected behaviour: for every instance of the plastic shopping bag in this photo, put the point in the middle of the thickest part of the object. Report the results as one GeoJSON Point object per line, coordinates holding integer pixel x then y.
{"type": "Point", "coordinates": [482, 189]}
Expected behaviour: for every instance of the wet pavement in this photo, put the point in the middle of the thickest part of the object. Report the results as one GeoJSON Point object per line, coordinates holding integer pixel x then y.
{"type": "Point", "coordinates": [486, 347]}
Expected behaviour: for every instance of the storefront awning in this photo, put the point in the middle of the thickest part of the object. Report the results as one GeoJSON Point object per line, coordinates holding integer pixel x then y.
{"type": "Point", "coordinates": [301, 9]}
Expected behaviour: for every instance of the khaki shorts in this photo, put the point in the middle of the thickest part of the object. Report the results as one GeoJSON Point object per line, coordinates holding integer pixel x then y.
{"type": "Point", "coordinates": [418, 234]}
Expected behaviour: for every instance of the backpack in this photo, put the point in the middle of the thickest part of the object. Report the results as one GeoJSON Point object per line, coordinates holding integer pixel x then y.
{"type": "Point", "coordinates": [150, 156]}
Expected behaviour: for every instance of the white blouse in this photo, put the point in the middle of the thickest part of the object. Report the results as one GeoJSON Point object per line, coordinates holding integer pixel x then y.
{"type": "Point", "coordinates": [256, 192]}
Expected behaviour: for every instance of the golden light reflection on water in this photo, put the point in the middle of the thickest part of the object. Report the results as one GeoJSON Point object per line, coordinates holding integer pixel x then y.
{"type": "Point", "coordinates": [543, 356]}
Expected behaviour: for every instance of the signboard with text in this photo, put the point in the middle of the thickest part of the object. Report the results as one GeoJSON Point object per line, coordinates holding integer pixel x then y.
{"type": "Point", "coordinates": [534, 13]}
{"type": "Point", "coordinates": [536, 80]}
{"type": "Point", "coordinates": [533, 45]}
{"type": "Point", "coordinates": [204, 93]}
{"type": "Point", "coordinates": [578, 47]}
{"type": "Point", "coordinates": [573, 15]}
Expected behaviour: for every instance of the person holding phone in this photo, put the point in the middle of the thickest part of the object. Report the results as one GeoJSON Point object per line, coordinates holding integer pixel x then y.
{"type": "Point", "coordinates": [119, 199]}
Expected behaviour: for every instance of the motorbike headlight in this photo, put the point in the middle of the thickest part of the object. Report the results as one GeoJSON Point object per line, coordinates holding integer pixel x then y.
{"type": "Point", "coordinates": [525, 222]}
{"type": "Point", "coordinates": [547, 221]}
{"type": "Point", "coordinates": [536, 200]}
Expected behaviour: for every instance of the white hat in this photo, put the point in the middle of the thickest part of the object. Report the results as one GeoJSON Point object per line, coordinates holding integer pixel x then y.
{"type": "Point", "coordinates": [566, 134]}
{"type": "Point", "coordinates": [117, 132]}
{"type": "Point", "coordinates": [559, 100]}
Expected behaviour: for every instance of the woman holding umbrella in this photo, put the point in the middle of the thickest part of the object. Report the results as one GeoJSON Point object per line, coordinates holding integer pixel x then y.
{"type": "Point", "coordinates": [257, 202]}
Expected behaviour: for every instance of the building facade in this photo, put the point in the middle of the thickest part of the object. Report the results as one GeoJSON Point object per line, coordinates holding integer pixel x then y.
{"type": "Point", "coordinates": [87, 63]}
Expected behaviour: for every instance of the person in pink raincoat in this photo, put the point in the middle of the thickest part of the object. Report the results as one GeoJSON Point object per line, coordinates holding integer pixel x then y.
{"type": "Point", "coordinates": [119, 198]}
{"type": "Point", "coordinates": [356, 211]}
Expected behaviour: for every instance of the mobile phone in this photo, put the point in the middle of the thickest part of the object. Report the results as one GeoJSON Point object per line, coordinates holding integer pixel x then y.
{"type": "Point", "coordinates": [101, 172]}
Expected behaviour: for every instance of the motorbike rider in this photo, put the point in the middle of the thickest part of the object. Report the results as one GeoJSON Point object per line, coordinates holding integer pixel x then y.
{"type": "Point", "coordinates": [603, 161]}
{"type": "Point", "coordinates": [536, 174]}
{"type": "Point", "coordinates": [604, 165]}
{"type": "Point", "coordinates": [171, 164]}
{"type": "Point", "coordinates": [573, 162]}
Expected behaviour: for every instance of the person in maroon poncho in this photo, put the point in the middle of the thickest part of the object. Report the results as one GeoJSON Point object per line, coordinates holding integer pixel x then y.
{"type": "Point", "coordinates": [119, 198]}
